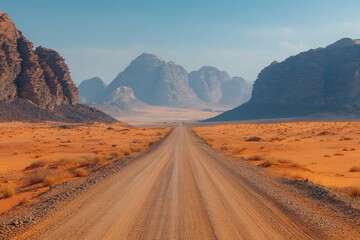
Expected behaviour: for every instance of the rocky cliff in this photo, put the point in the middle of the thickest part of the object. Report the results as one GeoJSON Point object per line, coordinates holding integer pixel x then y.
{"type": "Point", "coordinates": [91, 89]}
{"type": "Point", "coordinates": [156, 82]}
{"type": "Point", "coordinates": [40, 76]}
{"type": "Point", "coordinates": [217, 87]}
{"type": "Point", "coordinates": [235, 91]}
{"type": "Point", "coordinates": [206, 83]}
{"type": "Point", "coordinates": [35, 79]}
{"type": "Point", "coordinates": [317, 81]}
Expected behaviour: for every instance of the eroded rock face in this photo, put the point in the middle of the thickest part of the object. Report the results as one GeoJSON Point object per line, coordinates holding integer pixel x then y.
{"type": "Point", "coordinates": [92, 88]}
{"type": "Point", "coordinates": [321, 77]}
{"type": "Point", "coordinates": [217, 87]}
{"type": "Point", "coordinates": [40, 76]}
{"type": "Point", "coordinates": [235, 91]}
{"type": "Point", "coordinates": [323, 80]}
{"type": "Point", "coordinates": [207, 82]}
{"type": "Point", "coordinates": [156, 82]}
{"type": "Point", "coordinates": [57, 76]}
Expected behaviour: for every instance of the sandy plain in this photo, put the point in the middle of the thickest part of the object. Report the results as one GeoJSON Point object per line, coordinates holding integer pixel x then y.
{"type": "Point", "coordinates": [325, 153]}
{"type": "Point", "coordinates": [36, 156]}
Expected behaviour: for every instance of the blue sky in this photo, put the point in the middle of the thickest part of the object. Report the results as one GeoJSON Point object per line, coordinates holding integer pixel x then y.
{"type": "Point", "coordinates": [100, 38]}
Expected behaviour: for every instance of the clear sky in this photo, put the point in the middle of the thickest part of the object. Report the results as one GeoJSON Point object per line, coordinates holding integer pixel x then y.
{"type": "Point", "coordinates": [101, 37]}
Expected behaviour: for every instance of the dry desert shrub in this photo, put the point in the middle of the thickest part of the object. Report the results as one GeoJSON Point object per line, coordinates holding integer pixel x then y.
{"type": "Point", "coordinates": [345, 138]}
{"type": "Point", "coordinates": [80, 172]}
{"type": "Point", "coordinates": [37, 164]}
{"type": "Point", "coordinates": [253, 139]}
{"type": "Point", "coordinates": [48, 176]}
{"type": "Point", "coordinates": [7, 191]}
{"type": "Point", "coordinates": [254, 158]}
{"type": "Point", "coordinates": [126, 152]}
{"type": "Point", "coordinates": [354, 191]}
{"type": "Point", "coordinates": [284, 161]}
{"type": "Point", "coordinates": [355, 169]}
{"type": "Point", "coordinates": [265, 164]}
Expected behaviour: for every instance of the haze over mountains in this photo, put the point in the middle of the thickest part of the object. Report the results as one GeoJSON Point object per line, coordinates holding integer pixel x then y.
{"type": "Point", "coordinates": [321, 82]}
{"type": "Point", "coordinates": [36, 84]}
{"type": "Point", "coordinates": [156, 82]}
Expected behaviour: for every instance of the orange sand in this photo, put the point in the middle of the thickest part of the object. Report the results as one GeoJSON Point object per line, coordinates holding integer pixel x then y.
{"type": "Point", "coordinates": [64, 146]}
{"type": "Point", "coordinates": [322, 152]}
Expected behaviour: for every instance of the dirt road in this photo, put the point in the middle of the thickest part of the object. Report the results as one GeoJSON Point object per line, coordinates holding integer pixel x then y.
{"type": "Point", "coordinates": [178, 191]}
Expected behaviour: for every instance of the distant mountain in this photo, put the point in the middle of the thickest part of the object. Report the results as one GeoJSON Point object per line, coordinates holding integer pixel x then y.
{"type": "Point", "coordinates": [217, 87]}
{"type": "Point", "coordinates": [207, 83]}
{"type": "Point", "coordinates": [235, 91]}
{"type": "Point", "coordinates": [91, 89]}
{"type": "Point", "coordinates": [319, 81]}
{"type": "Point", "coordinates": [156, 82]}
{"type": "Point", "coordinates": [35, 85]}
{"type": "Point", "coordinates": [122, 101]}
{"type": "Point", "coordinates": [149, 80]}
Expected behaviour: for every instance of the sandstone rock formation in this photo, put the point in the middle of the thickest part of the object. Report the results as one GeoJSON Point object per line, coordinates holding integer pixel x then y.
{"type": "Point", "coordinates": [40, 76]}
{"type": "Point", "coordinates": [235, 92]}
{"type": "Point", "coordinates": [92, 89]}
{"type": "Point", "coordinates": [206, 83]}
{"type": "Point", "coordinates": [217, 87]}
{"type": "Point", "coordinates": [36, 80]}
{"type": "Point", "coordinates": [120, 102]}
{"type": "Point", "coordinates": [156, 82]}
{"type": "Point", "coordinates": [319, 80]}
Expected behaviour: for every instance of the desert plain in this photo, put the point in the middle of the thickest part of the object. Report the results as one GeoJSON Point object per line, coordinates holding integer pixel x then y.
{"type": "Point", "coordinates": [37, 156]}
{"type": "Point", "coordinates": [324, 153]}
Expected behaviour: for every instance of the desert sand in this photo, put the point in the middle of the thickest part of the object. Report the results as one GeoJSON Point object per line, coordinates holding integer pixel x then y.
{"type": "Point", "coordinates": [325, 153]}
{"type": "Point", "coordinates": [35, 156]}
{"type": "Point", "coordinates": [161, 114]}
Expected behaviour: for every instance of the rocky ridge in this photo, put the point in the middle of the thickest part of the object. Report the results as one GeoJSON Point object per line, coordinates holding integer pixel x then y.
{"type": "Point", "coordinates": [319, 81]}
{"type": "Point", "coordinates": [35, 80]}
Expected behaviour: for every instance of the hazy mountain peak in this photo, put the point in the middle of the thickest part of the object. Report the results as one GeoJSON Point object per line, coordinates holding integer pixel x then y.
{"type": "Point", "coordinates": [344, 42]}
{"type": "Point", "coordinates": [148, 57]}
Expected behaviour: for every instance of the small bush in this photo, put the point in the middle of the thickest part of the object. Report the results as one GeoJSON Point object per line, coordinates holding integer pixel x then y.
{"type": "Point", "coordinates": [345, 138]}
{"type": "Point", "coordinates": [126, 152]}
{"type": "Point", "coordinates": [254, 158]}
{"type": "Point", "coordinates": [37, 164]}
{"type": "Point", "coordinates": [81, 172]}
{"type": "Point", "coordinates": [355, 169]}
{"type": "Point", "coordinates": [354, 192]}
{"type": "Point", "coordinates": [47, 176]}
{"type": "Point", "coordinates": [265, 164]}
{"type": "Point", "coordinates": [253, 139]}
{"type": "Point", "coordinates": [7, 191]}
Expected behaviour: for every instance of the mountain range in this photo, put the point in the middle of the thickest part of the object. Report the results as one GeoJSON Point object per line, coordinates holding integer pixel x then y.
{"type": "Point", "coordinates": [155, 82]}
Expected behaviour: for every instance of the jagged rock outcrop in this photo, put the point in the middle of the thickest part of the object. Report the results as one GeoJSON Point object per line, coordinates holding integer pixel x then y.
{"type": "Point", "coordinates": [121, 102]}
{"type": "Point", "coordinates": [57, 76]}
{"type": "Point", "coordinates": [36, 85]}
{"type": "Point", "coordinates": [91, 89]}
{"type": "Point", "coordinates": [156, 82]}
{"type": "Point", "coordinates": [207, 82]}
{"type": "Point", "coordinates": [40, 76]}
{"type": "Point", "coordinates": [319, 80]}
{"type": "Point", "coordinates": [217, 87]}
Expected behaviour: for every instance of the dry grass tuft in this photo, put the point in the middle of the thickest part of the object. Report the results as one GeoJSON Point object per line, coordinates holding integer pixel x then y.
{"type": "Point", "coordinates": [48, 177]}
{"type": "Point", "coordinates": [80, 172]}
{"type": "Point", "coordinates": [254, 158]}
{"type": "Point", "coordinates": [253, 139]}
{"type": "Point", "coordinates": [265, 164]}
{"type": "Point", "coordinates": [354, 192]}
{"type": "Point", "coordinates": [355, 169]}
{"type": "Point", "coordinates": [37, 164]}
{"type": "Point", "coordinates": [7, 191]}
